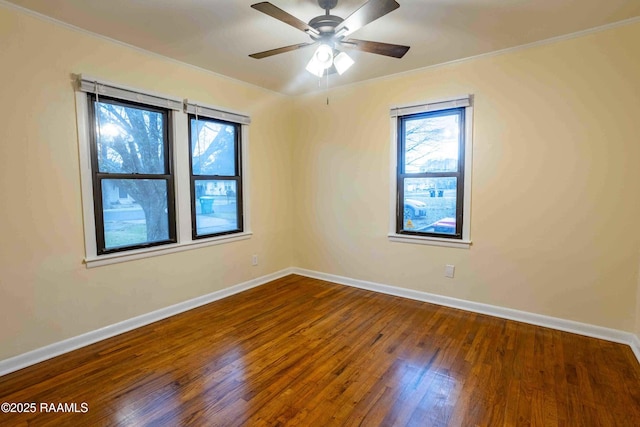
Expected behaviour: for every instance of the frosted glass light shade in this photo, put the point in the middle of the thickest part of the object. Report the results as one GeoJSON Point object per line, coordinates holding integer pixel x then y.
{"type": "Point", "coordinates": [342, 62]}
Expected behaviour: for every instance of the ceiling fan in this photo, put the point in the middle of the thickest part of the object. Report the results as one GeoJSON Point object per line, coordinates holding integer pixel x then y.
{"type": "Point", "coordinates": [331, 33]}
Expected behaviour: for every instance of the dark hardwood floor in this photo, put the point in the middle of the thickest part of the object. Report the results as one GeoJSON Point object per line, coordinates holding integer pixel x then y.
{"type": "Point", "coordinates": [299, 351]}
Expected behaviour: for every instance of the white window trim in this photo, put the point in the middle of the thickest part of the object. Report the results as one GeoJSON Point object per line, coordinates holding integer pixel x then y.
{"type": "Point", "coordinates": [465, 242]}
{"type": "Point", "coordinates": [182, 191]}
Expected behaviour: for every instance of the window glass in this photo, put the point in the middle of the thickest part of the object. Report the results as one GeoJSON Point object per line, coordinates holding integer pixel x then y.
{"type": "Point", "coordinates": [432, 144]}
{"type": "Point", "coordinates": [216, 207]}
{"type": "Point", "coordinates": [140, 217]}
{"type": "Point", "coordinates": [430, 173]}
{"type": "Point", "coordinates": [430, 204]}
{"type": "Point", "coordinates": [132, 180]}
{"type": "Point", "coordinates": [130, 139]}
{"type": "Point", "coordinates": [215, 177]}
{"type": "Point", "coordinates": [213, 146]}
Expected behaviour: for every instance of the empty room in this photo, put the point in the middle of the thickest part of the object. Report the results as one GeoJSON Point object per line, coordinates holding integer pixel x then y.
{"type": "Point", "coordinates": [320, 213]}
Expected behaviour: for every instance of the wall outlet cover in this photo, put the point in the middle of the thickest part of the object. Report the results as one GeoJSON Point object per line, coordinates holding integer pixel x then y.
{"type": "Point", "coordinates": [449, 270]}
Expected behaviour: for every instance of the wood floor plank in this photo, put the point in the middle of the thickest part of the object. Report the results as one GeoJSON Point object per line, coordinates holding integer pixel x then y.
{"type": "Point", "coordinates": [306, 352]}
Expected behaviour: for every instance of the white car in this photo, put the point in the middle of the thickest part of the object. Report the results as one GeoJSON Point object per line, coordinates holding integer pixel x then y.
{"type": "Point", "coordinates": [414, 209]}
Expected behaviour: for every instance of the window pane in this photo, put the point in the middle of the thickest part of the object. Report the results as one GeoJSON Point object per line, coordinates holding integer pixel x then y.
{"type": "Point", "coordinates": [134, 211]}
{"type": "Point", "coordinates": [216, 206]}
{"type": "Point", "coordinates": [430, 205]}
{"type": "Point", "coordinates": [431, 143]}
{"type": "Point", "coordinates": [130, 139]}
{"type": "Point", "coordinates": [213, 147]}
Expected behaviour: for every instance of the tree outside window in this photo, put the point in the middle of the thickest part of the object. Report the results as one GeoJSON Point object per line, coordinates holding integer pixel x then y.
{"type": "Point", "coordinates": [131, 156]}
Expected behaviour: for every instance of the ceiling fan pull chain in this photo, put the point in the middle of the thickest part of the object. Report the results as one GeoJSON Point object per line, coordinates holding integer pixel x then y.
{"type": "Point", "coordinates": [327, 87]}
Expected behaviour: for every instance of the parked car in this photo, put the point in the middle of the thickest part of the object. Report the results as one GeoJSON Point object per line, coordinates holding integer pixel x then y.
{"type": "Point", "coordinates": [414, 209]}
{"type": "Point", "coordinates": [445, 225]}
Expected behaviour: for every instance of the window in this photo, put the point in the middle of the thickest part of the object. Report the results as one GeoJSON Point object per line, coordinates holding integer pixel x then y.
{"type": "Point", "coordinates": [131, 156]}
{"type": "Point", "coordinates": [431, 164]}
{"type": "Point", "coordinates": [216, 185]}
{"type": "Point", "coordinates": [158, 174]}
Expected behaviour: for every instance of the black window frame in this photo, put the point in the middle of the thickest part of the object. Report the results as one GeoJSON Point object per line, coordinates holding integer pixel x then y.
{"type": "Point", "coordinates": [237, 178]}
{"type": "Point", "coordinates": [401, 173]}
{"type": "Point", "coordinates": [98, 177]}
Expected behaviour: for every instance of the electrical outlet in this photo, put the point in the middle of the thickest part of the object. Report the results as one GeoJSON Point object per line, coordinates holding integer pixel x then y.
{"type": "Point", "coordinates": [449, 271]}
{"type": "Point", "coordinates": [254, 260]}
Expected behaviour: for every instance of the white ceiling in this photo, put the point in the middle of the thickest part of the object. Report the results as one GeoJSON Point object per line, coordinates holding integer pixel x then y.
{"type": "Point", "coordinates": [218, 35]}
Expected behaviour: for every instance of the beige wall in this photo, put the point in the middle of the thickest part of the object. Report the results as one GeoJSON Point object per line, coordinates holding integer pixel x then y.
{"type": "Point", "coordinates": [555, 181]}
{"type": "Point", "coordinates": [555, 195]}
{"type": "Point", "coordinates": [46, 293]}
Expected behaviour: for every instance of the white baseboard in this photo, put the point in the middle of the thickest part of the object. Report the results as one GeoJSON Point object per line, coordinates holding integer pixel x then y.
{"type": "Point", "coordinates": [635, 346]}
{"type": "Point", "coordinates": [56, 349]}
{"type": "Point", "coordinates": [585, 329]}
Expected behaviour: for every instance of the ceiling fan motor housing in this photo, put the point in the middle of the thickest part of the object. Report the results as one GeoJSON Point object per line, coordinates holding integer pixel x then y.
{"type": "Point", "coordinates": [325, 24]}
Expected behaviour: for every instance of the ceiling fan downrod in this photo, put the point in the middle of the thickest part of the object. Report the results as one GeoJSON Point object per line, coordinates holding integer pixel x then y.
{"type": "Point", "coordinates": [327, 5]}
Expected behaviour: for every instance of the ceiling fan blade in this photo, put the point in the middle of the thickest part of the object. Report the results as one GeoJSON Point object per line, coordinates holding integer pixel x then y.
{"type": "Point", "coordinates": [368, 12]}
{"type": "Point", "coordinates": [279, 50]}
{"type": "Point", "coordinates": [275, 12]}
{"type": "Point", "coordinates": [386, 49]}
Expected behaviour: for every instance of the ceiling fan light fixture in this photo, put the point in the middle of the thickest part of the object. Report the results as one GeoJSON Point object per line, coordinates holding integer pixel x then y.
{"type": "Point", "coordinates": [321, 60]}
{"type": "Point", "coordinates": [324, 56]}
{"type": "Point", "coordinates": [314, 67]}
{"type": "Point", "coordinates": [342, 62]}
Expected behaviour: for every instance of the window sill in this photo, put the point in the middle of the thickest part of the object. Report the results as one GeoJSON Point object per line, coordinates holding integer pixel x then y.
{"type": "Point", "coordinates": [432, 241]}
{"type": "Point", "coordinates": [115, 258]}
